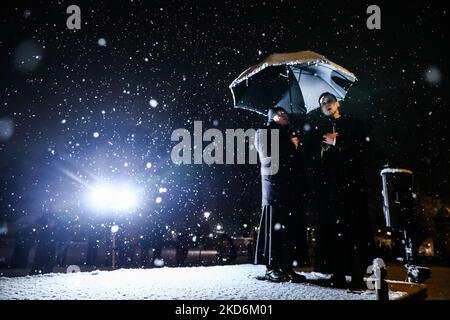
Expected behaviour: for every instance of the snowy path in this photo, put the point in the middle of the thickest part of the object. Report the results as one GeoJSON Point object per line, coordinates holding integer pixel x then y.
{"type": "Point", "coordinates": [206, 283]}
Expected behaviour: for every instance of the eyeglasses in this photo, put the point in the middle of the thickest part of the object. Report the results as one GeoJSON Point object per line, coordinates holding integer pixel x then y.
{"type": "Point", "coordinates": [327, 101]}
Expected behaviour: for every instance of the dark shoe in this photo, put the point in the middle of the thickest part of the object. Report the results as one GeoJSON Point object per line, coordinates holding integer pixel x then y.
{"type": "Point", "coordinates": [358, 286]}
{"type": "Point", "coordinates": [338, 282]}
{"type": "Point", "coordinates": [294, 276]}
{"type": "Point", "coordinates": [276, 275]}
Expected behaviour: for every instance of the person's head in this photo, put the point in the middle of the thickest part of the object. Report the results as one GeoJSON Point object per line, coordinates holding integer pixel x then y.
{"type": "Point", "coordinates": [329, 105]}
{"type": "Point", "coordinates": [279, 116]}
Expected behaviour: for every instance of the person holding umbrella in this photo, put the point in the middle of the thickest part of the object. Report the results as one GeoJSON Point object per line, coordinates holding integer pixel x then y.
{"type": "Point", "coordinates": [344, 235]}
{"type": "Point", "coordinates": [281, 244]}
{"type": "Point", "coordinates": [294, 81]}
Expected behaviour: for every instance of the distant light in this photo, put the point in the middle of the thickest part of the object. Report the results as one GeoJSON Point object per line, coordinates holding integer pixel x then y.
{"type": "Point", "coordinates": [433, 75]}
{"type": "Point", "coordinates": [6, 128]}
{"type": "Point", "coordinates": [148, 165]}
{"type": "Point", "coordinates": [3, 229]}
{"type": "Point", "coordinates": [158, 200]}
{"type": "Point", "coordinates": [307, 127]}
{"type": "Point", "coordinates": [207, 214]}
{"type": "Point", "coordinates": [388, 233]}
{"type": "Point", "coordinates": [26, 14]}
{"type": "Point", "coordinates": [114, 228]}
{"type": "Point", "coordinates": [113, 197]}
{"type": "Point", "coordinates": [162, 190]}
{"type": "Point", "coordinates": [294, 263]}
{"type": "Point", "coordinates": [245, 225]}
{"type": "Point", "coordinates": [101, 42]}
{"type": "Point", "coordinates": [158, 263]}
{"type": "Point", "coordinates": [277, 226]}
{"type": "Point", "coordinates": [63, 121]}
{"type": "Point", "coordinates": [96, 134]}
{"type": "Point", "coordinates": [27, 56]}
{"type": "Point", "coordinates": [153, 103]}
{"type": "Point", "coordinates": [219, 227]}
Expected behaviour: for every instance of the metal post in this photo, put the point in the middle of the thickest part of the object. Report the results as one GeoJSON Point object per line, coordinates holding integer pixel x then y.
{"type": "Point", "coordinates": [382, 289]}
{"type": "Point", "coordinates": [113, 250]}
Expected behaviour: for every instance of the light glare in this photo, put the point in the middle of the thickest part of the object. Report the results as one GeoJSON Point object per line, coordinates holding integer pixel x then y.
{"type": "Point", "coordinates": [113, 198]}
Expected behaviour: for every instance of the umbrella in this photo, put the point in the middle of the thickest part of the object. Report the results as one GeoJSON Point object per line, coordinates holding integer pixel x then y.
{"type": "Point", "coordinates": [293, 81]}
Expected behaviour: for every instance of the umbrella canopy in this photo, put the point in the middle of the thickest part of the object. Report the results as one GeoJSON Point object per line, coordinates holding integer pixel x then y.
{"type": "Point", "coordinates": [293, 81]}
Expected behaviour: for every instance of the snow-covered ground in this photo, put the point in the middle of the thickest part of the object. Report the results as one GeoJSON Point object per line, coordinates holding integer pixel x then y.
{"type": "Point", "coordinates": [235, 282]}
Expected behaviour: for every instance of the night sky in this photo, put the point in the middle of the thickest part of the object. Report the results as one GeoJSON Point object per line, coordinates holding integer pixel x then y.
{"type": "Point", "coordinates": [100, 103]}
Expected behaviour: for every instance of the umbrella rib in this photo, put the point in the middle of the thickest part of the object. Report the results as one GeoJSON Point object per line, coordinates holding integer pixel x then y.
{"type": "Point", "coordinates": [328, 67]}
{"type": "Point", "coordinates": [301, 71]}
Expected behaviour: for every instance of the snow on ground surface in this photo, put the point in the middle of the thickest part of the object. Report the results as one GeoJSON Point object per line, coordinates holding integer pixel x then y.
{"type": "Point", "coordinates": [235, 282]}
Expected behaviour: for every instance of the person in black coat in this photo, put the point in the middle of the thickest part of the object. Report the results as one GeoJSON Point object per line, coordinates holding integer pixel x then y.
{"type": "Point", "coordinates": [344, 241]}
{"type": "Point", "coordinates": [281, 241]}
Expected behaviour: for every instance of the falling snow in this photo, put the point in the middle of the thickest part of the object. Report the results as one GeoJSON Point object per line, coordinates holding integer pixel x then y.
{"type": "Point", "coordinates": [98, 107]}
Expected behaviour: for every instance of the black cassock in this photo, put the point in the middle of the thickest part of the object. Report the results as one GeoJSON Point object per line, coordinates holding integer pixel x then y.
{"type": "Point", "coordinates": [282, 236]}
{"type": "Point", "coordinates": [344, 240]}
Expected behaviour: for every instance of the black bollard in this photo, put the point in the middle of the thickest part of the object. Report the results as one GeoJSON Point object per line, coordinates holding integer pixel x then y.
{"type": "Point", "coordinates": [382, 289]}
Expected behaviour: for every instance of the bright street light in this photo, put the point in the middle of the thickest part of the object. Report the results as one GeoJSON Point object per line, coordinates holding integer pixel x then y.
{"type": "Point", "coordinates": [117, 198]}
